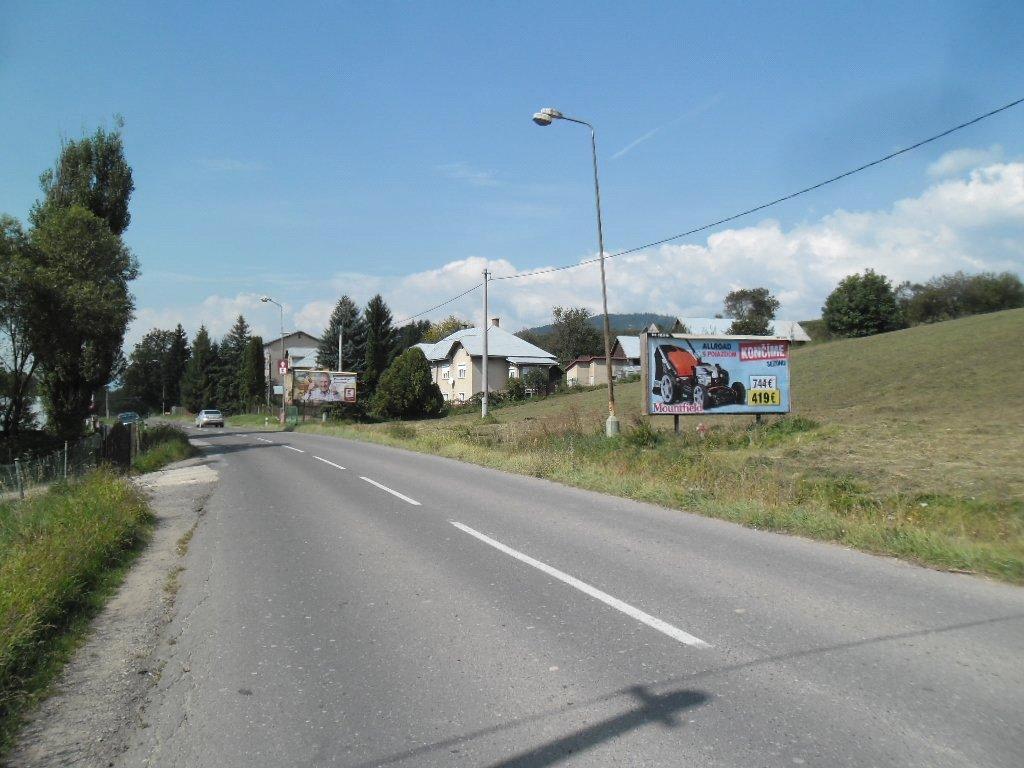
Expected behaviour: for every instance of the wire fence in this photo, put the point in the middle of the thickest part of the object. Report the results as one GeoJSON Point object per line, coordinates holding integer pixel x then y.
{"type": "Point", "coordinates": [73, 460]}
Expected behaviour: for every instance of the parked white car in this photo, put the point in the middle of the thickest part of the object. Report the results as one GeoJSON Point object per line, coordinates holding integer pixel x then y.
{"type": "Point", "coordinates": [209, 418]}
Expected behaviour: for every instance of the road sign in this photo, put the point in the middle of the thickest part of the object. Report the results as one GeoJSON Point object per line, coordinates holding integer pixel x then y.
{"type": "Point", "coordinates": [282, 367]}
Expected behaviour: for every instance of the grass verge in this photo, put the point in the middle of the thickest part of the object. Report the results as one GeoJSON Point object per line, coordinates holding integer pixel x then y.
{"type": "Point", "coordinates": [62, 554]}
{"type": "Point", "coordinates": [737, 474]}
{"type": "Point", "coordinates": [162, 445]}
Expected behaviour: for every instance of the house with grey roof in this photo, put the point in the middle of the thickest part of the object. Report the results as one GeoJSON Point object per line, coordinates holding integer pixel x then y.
{"type": "Point", "coordinates": [456, 362]}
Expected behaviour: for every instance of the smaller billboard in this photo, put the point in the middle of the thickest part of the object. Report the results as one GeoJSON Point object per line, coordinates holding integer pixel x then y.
{"type": "Point", "coordinates": [324, 387]}
{"type": "Point", "coordinates": [706, 374]}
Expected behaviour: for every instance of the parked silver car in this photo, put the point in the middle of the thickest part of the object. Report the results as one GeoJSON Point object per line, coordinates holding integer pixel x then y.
{"type": "Point", "coordinates": [209, 418]}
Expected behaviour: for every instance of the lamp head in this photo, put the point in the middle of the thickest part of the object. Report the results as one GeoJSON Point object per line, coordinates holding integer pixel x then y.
{"type": "Point", "coordinates": [264, 299]}
{"type": "Point", "coordinates": [546, 116]}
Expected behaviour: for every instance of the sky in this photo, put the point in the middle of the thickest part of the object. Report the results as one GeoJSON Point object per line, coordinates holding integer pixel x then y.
{"type": "Point", "coordinates": [307, 150]}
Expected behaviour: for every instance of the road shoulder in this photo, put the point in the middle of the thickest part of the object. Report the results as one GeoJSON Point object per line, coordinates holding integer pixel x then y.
{"type": "Point", "coordinates": [96, 702]}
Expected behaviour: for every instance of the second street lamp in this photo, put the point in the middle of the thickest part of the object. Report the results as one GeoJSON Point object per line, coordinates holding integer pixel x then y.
{"type": "Point", "coordinates": [267, 299]}
{"type": "Point", "coordinates": [544, 118]}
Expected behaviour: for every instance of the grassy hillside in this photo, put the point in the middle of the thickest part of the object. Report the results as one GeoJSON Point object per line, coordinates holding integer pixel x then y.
{"type": "Point", "coordinates": [907, 443]}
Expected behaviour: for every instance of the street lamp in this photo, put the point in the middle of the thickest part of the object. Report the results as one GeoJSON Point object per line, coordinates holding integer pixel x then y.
{"type": "Point", "coordinates": [265, 300]}
{"type": "Point", "coordinates": [544, 118]}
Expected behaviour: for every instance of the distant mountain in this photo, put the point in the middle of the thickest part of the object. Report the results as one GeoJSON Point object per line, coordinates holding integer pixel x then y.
{"type": "Point", "coordinates": [620, 323]}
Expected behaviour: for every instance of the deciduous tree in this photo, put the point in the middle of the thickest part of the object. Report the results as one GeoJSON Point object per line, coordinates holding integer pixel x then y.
{"type": "Point", "coordinates": [444, 328]}
{"type": "Point", "coordinates": [752, 310]}
{"type": "Point", "coordinates": [81, 307]}
{"type": "Point", "coordinates": [91, 172]}
{"type": "Point", "coordinates": [17, 363]}
{"type": "Point", "coordinates": [862, 305]}
{"type": "Point", "coordinates": [574, 335]}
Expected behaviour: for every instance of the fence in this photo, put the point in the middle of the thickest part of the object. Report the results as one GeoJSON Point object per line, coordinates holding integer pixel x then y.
{"type": "Point", "coordinates": [73, 460]}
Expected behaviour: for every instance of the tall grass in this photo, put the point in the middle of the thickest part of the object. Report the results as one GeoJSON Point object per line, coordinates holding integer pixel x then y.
{"type": "Point", "coordinates": [58, 552]}
{"type": "Point", "coordinates": [162, 445]}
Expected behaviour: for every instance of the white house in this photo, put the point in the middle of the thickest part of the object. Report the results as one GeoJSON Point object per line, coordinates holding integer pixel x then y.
{"type": "Point", "coordinates": [456, 362]}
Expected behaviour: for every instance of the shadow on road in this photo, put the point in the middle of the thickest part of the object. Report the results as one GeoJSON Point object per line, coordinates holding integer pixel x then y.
{"type": "Point", "coordinates": [653, 708]}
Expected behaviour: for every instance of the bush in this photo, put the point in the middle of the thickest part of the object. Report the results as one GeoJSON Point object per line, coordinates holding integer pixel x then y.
{"type": "Point", "coordinates": [862, 305]}
{"type": "Point", "coordinates": [537, 380]}
{"type": "Point", "coordinates": [515, 390]}
{"type": "Point", "coordinates": [642, 435]}
{"type": "Point", "coordinates": [405, 389]}
{"type": "Point", "coordinates": [959, 295]}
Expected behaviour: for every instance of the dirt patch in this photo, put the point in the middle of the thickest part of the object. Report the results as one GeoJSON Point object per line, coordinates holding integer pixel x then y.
{"type": "Point", "coordinates": [96, 701]}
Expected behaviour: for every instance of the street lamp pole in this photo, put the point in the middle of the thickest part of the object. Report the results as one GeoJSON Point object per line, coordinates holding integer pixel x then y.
{"type": "Point", "coordinates": [544, 118]}
{"type": "Point", "coordinates": [266, 299]}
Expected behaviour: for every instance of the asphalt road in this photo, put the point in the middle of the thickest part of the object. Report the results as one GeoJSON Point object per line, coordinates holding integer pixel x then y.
{"type": "Point", "coordinates": [356, 605]}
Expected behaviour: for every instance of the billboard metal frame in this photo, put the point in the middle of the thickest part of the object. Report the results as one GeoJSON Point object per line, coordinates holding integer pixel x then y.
{"type": "Point", "coordinates": [728, 395]}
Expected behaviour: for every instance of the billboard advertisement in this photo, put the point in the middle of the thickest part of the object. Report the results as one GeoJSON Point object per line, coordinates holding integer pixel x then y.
{"type": "Point", "coordinates": [324, 387]}
{"type": "Point", "coordinates": [725, 374]}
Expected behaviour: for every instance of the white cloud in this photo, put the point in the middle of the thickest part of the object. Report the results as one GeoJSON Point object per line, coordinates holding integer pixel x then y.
{"type": "Point", "coordinates": [959, 160]}
{"type": "Point", "coordinates": [972, 223]}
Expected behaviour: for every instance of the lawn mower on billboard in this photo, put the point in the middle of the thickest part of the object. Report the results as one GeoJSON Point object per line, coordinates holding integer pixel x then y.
{"type": "Point", "coordinates": [681, 375]}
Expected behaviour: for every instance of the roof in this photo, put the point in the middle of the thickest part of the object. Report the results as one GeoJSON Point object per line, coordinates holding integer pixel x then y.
{"type": "Point", "coordinates": [500, 343]}
{"type": "Point", "coordinates": [528, 360]}
{"type": "Point", "coordinates": [303, 357]}
{"type": "Point", "coordinates": [288, 336]}
{"type": "Point", "coordinates": [630, 345]}
{"type": "Point", "coordinates": [719, 326]}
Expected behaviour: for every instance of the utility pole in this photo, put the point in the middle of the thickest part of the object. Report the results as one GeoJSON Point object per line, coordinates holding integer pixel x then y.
{"type": "Point", "coordinates": [341, 343]}
{"type": "Point", "coordinates": [483, 400]}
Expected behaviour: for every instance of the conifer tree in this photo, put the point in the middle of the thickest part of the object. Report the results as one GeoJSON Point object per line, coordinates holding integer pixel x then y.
{"type": "Point", "coordinates": [346, 316]}
{"type": "Point", "coordinates": [379, 341]}
{"type": "Point", "coordinates": [197, 385]}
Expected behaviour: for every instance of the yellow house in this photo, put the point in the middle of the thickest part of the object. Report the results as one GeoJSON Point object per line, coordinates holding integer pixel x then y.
{"type": "Point", "coordinates": [456, 362]}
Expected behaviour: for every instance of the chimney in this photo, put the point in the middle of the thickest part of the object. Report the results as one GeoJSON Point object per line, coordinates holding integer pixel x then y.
{"type": "Point", "coordinates": [496, 322]}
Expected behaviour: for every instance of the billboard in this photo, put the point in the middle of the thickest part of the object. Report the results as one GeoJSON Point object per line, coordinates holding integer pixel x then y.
{"type": "Point", "coordinates": [685, 374]}
{"type": "Point", "coordinates": [324, 387]}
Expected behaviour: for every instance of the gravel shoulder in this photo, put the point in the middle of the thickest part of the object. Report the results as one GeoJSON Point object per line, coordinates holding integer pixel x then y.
{"type": "Point", "coordinates": [97, 701]}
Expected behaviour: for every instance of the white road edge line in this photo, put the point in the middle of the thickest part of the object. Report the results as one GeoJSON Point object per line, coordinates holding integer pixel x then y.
{"type": "Point", "coordinates": [264, 441]}
{"type": "Point", "coordinates": [644, 618]}
{"type": "Point", "coordinates": [393, 492]}
{"type": "Point", "coordinates": [290, 448]}
{"type": "Point", "coordinates": [325, 461]}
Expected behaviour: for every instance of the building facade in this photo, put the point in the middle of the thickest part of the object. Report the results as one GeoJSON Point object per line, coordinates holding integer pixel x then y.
{"type": "Point", "coordinates": [456, 362]}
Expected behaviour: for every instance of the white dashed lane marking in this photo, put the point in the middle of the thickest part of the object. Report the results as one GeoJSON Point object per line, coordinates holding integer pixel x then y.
{"type": "Point", "coordinates": [393, 492]}
{"type": "Point", "coordinates": [635, 613]}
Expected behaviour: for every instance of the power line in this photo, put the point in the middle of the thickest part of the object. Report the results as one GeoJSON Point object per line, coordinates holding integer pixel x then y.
{"type": "Point", "coordinates": [733, 217]}
{"type": "Point", "coordinates": [776, 201]}
{"type": "Point", "coordinates": [438, 306]}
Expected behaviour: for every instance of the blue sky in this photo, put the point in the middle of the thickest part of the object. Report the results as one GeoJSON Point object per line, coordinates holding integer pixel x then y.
{"type": "Point", "coordinates": [305, 150]}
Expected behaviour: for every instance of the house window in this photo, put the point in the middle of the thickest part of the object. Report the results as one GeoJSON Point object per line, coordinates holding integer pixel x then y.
{"type": "Point", "coordinates": [511, 371]}
{"type": "Point", "coordinates": [446, 372]}
{"type": "Point", "coordinates": [461, 396]}
{"type": "Point", "coordinates": [462, 371]}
